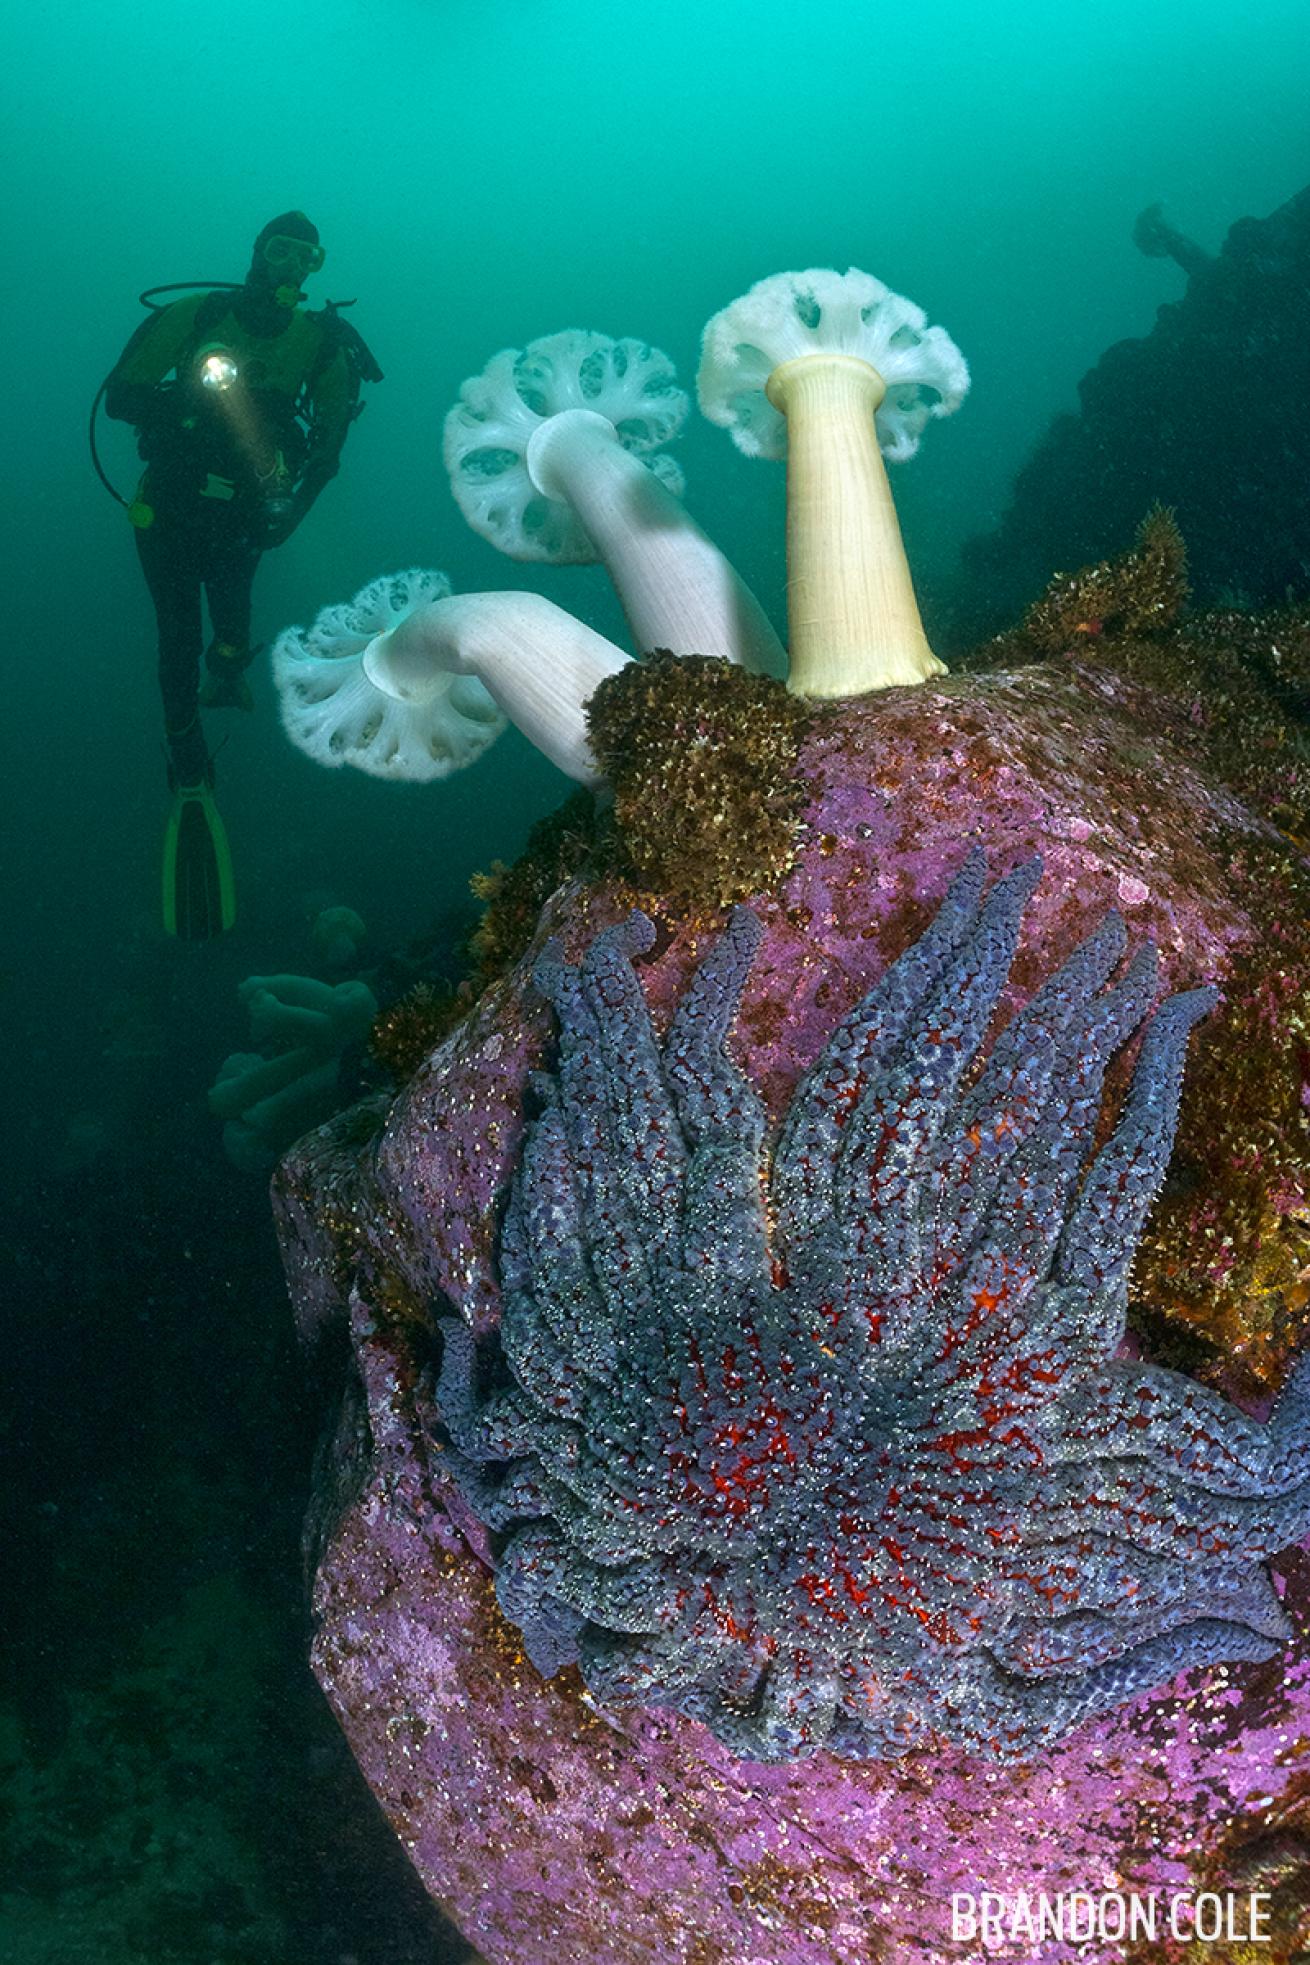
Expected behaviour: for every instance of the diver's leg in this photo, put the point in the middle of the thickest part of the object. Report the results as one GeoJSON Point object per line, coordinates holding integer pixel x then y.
{"type": "Point", "coordinates": [229, 581]}
{"type": "Point", "coordinates": [167, 553]}
{"type": "Point", "coordinates": [199, 900]}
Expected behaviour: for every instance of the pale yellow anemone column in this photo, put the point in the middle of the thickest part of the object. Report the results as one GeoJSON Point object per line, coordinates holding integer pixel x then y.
{"type": "Point", "coordinates": [833, 370]}
{"type": "Point", "coordinates": [851, 609]}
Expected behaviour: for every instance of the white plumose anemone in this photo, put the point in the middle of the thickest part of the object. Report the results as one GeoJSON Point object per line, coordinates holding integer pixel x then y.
{"type": "Point", "coordinates": [490, 430]}
{"type": "Point", "coordinates": [337, 714]}
{"type": "Point", "coordinates": [834, 371]}
{"type": "Point", "coordinates": [539, 663]}
{"type": "Point", "coordinates": [411, 681]}
{"type": "Point", "coordinates": [555, 453]}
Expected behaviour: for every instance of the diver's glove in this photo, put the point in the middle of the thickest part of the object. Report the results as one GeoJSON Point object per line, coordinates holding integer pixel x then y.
{"type": "Point", "coordinates": [281, 515]}
{"type": "Point", "coordinates": [280, 520]}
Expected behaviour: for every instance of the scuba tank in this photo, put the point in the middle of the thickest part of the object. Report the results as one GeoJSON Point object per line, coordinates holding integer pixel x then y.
{"type": "Point", "coordinates": [347, 337]}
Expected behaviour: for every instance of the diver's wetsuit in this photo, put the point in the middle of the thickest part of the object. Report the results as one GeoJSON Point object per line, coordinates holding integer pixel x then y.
{"type": "Point", "coordinates": [205, 463]}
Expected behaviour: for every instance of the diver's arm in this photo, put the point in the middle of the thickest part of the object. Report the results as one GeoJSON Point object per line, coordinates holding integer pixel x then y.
{"type": "Point", "coordinates": [135, 390]}
{"type": "Point", "coordinates": [334, 405]}
{"type": "Point", "coordinates": [335, 393]}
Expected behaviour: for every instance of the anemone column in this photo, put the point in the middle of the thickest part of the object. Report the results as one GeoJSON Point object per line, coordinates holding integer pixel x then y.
{"type": "Point", "coordinates": [851, 608]}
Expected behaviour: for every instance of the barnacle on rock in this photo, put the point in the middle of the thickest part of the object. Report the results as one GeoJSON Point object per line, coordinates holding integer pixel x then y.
{"type": "Point", "coordinates": [1141, 592]}
{"type": "Point", "coordinates": [833, 1448]}
{"type": "Point", "coordinates": [702, 759]}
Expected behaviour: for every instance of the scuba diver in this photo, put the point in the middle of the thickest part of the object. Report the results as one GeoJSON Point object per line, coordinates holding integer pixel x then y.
{"type": "Point", "coordinates": [241, 401]}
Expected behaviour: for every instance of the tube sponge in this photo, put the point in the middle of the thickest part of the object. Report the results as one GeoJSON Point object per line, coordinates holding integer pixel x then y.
{"type": "Point", "coordinates": [337, 935]}
{"type": "Point", "coordinates": [333, 712]}
{"type": "Point", "coordinates": [490, 429]}
{"type": "Point", "coordinates": [825, 312]}
{"type": "Point", "coordinates": [271, 1096]}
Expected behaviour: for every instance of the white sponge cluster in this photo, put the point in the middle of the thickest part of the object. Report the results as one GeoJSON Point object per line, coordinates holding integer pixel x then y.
{"type": "Point", "coordinates": [825, 312]}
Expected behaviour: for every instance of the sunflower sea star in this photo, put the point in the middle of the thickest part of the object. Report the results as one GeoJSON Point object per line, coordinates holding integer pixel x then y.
{"type": "Point", "coordinates": [832, 1449]}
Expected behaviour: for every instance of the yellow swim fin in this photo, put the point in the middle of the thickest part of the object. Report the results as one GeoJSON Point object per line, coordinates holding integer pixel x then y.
{"type": "Point", "coordinates": [199, 895]}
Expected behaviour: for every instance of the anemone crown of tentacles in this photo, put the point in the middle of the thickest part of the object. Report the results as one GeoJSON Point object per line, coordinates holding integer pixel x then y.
{"type": "Point", "coordinates": [830, 1447]}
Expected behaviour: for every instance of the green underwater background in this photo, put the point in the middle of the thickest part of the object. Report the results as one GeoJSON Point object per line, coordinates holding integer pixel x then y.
{"type": "Point", "coordinates": [482, 173]}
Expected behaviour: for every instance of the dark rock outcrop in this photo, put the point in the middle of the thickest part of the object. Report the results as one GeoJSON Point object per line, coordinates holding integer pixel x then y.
{"type": "Point", "coordinates": [1209, 413]}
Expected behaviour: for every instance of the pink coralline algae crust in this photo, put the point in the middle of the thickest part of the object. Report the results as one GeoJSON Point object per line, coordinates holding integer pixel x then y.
{"type": "Point", "coordinates": [549, 1829]}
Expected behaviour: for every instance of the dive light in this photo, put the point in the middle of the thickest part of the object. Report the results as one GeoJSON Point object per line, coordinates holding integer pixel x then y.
{"type": "Point", "coordinates": [218, 370]}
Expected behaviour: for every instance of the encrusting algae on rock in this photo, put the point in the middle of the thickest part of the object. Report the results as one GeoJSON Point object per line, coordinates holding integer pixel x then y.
{"type": "Point", "coordinates": [1142, 592]}
{"type": "Point", "coordinates": [1227, 1256]}
{"type": "Point", "coordinates": [702, 758]}
{"type": "Point", "coordinates": [558, 847]}
{"type": "Point", "coordinates": [1231, 690]}
{"type": "Point", "coordinates": [1260, 1857]}
{"type": "Point", "coordinates": [411, 1028]}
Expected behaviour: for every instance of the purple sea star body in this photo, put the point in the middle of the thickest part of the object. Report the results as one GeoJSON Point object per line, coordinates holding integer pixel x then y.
{"type": "Point", "coordinates": [877, 1474]}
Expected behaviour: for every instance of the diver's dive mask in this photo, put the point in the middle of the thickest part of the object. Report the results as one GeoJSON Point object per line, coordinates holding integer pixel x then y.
{"type": "Point", "coordinates": [290, 260]}
{"type": "Point", "coordinates": [294, 257]}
